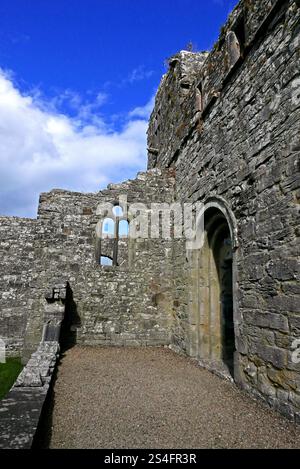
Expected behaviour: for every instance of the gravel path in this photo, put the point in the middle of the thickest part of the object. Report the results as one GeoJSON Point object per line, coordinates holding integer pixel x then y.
{"type": "Point", "coordinates": [153, 398]}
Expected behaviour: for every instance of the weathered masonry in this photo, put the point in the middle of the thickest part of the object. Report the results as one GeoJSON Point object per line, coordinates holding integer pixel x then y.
{"type": "Point", "coordinates": [225, 131]}
{"type": "Point", "coordinates": [123, 304]}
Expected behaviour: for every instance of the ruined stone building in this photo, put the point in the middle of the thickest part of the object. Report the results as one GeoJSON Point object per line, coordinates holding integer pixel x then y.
{"type": "Point", "coordinates": [225, 131]}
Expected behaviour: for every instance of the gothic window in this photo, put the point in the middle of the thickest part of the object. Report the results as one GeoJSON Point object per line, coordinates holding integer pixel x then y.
{"type": "Point", "coordinates": [233, 48]}
{"type": "Point", "coordinates": [105, 260]}
{"type": "Point", "coordinates": [108, 228]}
{"type": "Point", "coordinates": [235, 41]}
{"type": "Point", "coordinates": [109, 232]}
{"type": "Point", "coordinates": [118, 211]}
{"type": "Point", "coordinates": [123, 229]}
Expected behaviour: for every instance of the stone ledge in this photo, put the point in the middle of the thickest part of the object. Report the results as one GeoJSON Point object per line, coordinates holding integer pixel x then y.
{"type": "Point", "coordinates": [20, 411]}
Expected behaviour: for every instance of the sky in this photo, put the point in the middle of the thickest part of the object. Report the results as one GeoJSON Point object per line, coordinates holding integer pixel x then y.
{"type": "Point", "coordinates": [77, 86]}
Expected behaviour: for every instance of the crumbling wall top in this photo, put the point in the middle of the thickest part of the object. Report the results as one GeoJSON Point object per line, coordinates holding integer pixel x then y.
{"type": "Point", "coordinates": [195, 81]}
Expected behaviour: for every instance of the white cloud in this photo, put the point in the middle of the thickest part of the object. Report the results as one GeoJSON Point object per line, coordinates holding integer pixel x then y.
{"type": "Point", "coordinates": [139, 73]}
{"type": "Point", "coordinates": [41, 149]}
{"type": "Point", "coordinates": [143, 111]}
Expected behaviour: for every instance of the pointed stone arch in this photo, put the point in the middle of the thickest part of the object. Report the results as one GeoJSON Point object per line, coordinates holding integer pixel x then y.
{"type": "Point", "coordinates": [213, 310]}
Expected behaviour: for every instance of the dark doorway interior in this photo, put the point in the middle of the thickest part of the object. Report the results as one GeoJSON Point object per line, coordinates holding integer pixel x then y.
{"type": "Point", "coordinates": [225, 276]}
{"type": "Point", "coordinates": [220, 243]}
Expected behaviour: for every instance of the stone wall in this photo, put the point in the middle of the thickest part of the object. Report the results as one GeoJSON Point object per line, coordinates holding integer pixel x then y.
{"type": "Point", "coordinates": [124, 304]}
{"type": "Point", "coordinates": [225, 132]}
{"type": "Point", "coordinates": [21, 409]}
{"type": "Point", "coordinates": [236, 139]}
{"type": "Point", "coordinates": [17, 237]}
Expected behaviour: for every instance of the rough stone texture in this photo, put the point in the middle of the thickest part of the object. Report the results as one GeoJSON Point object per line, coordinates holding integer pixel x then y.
{"type": "Point", "coordinates": [20, 411]}
{"type": "Point", "coordinates": [241, 147]}
{"type": "Point", "coordinates": [124, 304]}
{"type": "Point", "coordinates": [153, 398]}
{"type": "Point", "coordinates": [225, 132]}
{"type": "Point", "coordinates": [17, 283]}
{"type": "Point", "coordinates": [19, 416]}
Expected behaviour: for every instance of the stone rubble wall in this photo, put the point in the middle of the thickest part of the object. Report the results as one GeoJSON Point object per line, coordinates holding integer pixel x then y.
{"type": "Point", "coordinates": [21, 409]}
{"type": "Point", "coordinates": [225, 125]}
{"type": "Point", "coordinates": [17, 237]}
{"type": "Point", "coordinates": [243, 147]}
{"type": "Point", "coordinates": [126, 304]}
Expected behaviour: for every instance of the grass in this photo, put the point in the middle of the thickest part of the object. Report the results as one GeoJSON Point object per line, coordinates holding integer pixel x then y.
{"type": "Point", "coordinates": [9, 372]}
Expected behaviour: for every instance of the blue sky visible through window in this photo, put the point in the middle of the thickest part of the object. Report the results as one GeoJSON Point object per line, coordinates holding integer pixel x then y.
{"type": "Point", "coordinates": [77, 83]}
{"type": "Point", "coordinates": [118, 211]}
{"type": "Point", "coordinates": [108, 227]}
{"type": "Point", "coordinates": [123, 228]}
{"type": "Point", "coordinates": [106, 261]}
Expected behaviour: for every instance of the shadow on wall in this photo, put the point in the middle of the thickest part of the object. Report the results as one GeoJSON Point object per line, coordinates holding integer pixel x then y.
{"type": "Point", "coordinates": [43, 434]}
{"type": "Point", "coordinates": [71, 321]}
{"type": "Point", "coordinates": [68, 336]}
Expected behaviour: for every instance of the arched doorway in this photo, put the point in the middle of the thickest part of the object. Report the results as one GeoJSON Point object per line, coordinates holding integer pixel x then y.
{"type": "Point", "coordinates": [219, 253]}
{"type": "Point", "coordinates": [212, 337]}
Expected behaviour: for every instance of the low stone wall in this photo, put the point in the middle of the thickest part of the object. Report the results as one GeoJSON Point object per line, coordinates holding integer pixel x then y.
{"type": "Point", "coordinates": [20, 411]}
